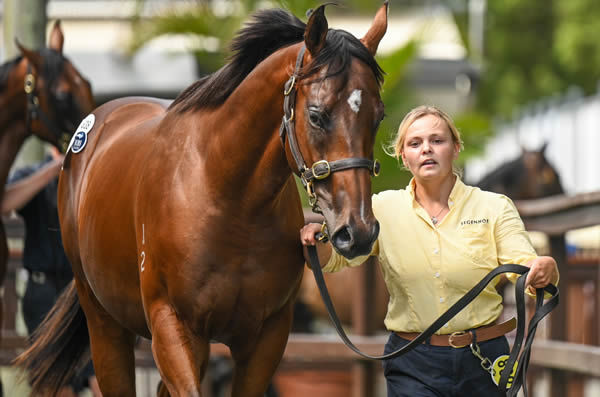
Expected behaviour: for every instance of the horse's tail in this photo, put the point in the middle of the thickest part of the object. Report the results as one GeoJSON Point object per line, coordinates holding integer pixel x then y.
{"type": "Point", "coordinates": [59, 346]}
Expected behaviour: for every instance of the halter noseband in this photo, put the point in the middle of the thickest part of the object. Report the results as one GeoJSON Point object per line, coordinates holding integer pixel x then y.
{"type": "Point", "coordinates": [320, 169]}
{"type": "Point", "coordinates": [34, 111]}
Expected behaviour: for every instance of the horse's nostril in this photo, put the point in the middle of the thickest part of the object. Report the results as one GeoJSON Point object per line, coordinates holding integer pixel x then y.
{"type": "Point", "coordinates": [342, 237]}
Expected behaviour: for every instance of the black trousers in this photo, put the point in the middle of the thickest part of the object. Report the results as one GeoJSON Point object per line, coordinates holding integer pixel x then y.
{"type": "Point", "coordinates": [440, 371]}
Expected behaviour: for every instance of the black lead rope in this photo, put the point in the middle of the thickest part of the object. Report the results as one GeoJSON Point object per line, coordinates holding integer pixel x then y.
{"type": "Point", "coordinates": [542, 309]}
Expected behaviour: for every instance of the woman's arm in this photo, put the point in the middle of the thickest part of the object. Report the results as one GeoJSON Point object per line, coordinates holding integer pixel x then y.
{"type": "Point", "coordinates": [19, 193]}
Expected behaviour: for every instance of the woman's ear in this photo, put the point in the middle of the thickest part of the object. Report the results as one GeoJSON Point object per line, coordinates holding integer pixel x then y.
{"type": "Point", "coordinates": [456, 150]}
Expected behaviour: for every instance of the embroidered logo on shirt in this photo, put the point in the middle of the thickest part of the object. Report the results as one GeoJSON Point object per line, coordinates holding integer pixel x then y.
{"type": "Point", "coordinates": [474, 221]}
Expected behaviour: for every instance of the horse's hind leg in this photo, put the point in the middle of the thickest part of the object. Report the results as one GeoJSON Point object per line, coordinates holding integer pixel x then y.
{"type": "Point", "coordinates": [112, 348]}
{"type": "Point", "coordinates": [255, 366]}
{"type": "Point", "coordinates": [181, 357]}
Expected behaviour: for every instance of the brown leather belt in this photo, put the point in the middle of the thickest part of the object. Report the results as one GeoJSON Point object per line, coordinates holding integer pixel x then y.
{"type": "Point", "coordinates": [464, 338]}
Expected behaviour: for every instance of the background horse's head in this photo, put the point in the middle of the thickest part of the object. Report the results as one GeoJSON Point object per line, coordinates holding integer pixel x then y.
{"type": "Point", "coordinates": [337, 113]}
{"type": "Point", "coordinates": [58, 96]}
{"type": "Point", "coordinates": [530, 176]}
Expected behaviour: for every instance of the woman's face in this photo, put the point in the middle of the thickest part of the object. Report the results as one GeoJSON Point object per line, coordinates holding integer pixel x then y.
{"type": "Point", "coordinates": [429, 150]}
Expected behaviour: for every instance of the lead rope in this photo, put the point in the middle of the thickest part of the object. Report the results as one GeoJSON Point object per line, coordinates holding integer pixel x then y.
{"type": "Point", "coordinates": [542, 309]}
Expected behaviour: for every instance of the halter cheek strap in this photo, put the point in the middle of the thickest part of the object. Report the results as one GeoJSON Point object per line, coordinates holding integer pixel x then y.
{"type": "Point", "coordinates": [320, 169]}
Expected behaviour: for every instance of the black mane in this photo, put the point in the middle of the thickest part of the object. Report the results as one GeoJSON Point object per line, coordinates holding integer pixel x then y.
{"type": "Point", "coordinates": [268, 31]}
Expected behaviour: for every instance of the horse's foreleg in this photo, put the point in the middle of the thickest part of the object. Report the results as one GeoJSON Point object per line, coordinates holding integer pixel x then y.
{"type": "Point", "coordinates": [112, 348]}
{"type": "Point", "coordinates": [181, 357]}
{"type": "Point", "coordinates": [255, 366]}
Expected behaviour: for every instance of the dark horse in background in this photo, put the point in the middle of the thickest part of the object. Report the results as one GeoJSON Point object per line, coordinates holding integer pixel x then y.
{"type": "Point", "coordinates": [181, 219]}
{"type": "Point", "coordinates": [529, 176]}
{"type": "Point", "coordinates": [41, 93]}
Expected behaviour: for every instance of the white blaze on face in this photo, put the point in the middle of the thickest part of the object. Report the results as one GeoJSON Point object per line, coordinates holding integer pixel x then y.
{"type": "Point", "coordinates": [354, 100]}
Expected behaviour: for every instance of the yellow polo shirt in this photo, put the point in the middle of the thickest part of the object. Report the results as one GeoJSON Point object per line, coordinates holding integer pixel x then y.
{"type": "Point", "coordinates": [428, 267]}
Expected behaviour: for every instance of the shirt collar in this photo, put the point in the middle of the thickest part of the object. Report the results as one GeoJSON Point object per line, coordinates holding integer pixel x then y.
{"type": "Point", "coordinates": [456, 193]}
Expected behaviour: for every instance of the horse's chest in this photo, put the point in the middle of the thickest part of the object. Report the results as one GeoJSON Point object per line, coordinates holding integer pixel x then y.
{"type": "Point", "coordinates": [236, 291]}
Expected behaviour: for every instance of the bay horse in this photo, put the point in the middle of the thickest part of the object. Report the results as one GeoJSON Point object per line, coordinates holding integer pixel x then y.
{"type": "Point", "coordinates": [182, 219]}
{"type": "Point", "coordinates": [41, 93]}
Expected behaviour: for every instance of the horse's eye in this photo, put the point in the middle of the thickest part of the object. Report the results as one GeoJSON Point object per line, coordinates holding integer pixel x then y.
{"type": "Point", "coordinates": [316, 119]}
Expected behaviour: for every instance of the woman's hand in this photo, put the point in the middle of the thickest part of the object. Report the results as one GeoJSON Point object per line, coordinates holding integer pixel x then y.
{"type": "Point", "coordinates": [307, 237]}
{"type": "Point", "coordinates": [307, 233]}
{"type": "Point", "coordinates": [543, 271]}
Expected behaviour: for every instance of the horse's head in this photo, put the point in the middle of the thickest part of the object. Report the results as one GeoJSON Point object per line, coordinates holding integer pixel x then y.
{"type": "Point", "coordinates": [335, 111]}
{"type": "Point", "coordinates": [530, 176]}
{"type": "Point", "coordinates": [58, 96]}
{"type": "Point", "coordinates": [541, 179]}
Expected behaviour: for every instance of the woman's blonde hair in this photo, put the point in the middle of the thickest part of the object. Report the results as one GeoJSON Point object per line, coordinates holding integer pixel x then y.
{"type": "Point", "coordinates": [395, 148]}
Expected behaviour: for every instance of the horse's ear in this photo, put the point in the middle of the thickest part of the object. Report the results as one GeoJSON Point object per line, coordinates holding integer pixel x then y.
{"type": "Point", "coordinates": [316, 31]}
{"type": "Point", "coordinates": [56, 37]}
{"type": "Point", "coordinates": [543, 148]}
{"type": "Point", "coordinates": [32, 56]}
{"type": "Point", "coordinates": [377, 30]}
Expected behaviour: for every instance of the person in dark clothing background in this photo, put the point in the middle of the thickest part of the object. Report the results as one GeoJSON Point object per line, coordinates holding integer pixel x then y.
{"type": "Point", "coordinates": [31, 191]}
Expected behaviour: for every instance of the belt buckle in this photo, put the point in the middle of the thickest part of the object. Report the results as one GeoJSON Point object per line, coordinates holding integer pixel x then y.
{"type": "Point", "coordinates": [454, 334]}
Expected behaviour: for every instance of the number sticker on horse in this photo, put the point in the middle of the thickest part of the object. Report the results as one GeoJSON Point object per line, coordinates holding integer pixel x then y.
{"type": "Point", "coordinates": [79, 139]}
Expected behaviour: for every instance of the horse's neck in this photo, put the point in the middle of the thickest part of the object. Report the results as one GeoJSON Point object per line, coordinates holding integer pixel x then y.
{"type": "Point", "coordinates": [250, 120]}
{"type": "Point", "coordinates": [13, 99]}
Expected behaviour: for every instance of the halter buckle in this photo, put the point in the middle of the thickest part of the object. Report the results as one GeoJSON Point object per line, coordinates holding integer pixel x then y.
{"type": "Point", "coordinates": [327, 171]}
{"type": "Point", "coordinates": [29, 83]}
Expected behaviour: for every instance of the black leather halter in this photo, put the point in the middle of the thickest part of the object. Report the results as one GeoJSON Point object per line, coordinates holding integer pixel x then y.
{"type": "Point", "coordinates": [320, 169]}
{"type": "Point", "coordinates": [34, 111]}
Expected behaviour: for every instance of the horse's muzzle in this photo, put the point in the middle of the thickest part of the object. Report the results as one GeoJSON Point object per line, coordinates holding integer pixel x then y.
{"type": "Point", "coordinates": [352, 241]}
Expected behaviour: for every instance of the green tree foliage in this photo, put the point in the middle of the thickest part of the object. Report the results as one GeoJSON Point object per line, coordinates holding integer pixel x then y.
{"type": "Point", "coordinates": [535, 49]}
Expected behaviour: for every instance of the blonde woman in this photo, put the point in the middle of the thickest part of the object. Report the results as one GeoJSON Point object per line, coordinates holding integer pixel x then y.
{"type": "Point", "coordinates": [438, 238]}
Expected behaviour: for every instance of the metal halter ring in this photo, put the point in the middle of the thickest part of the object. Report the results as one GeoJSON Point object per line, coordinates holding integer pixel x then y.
{"type": "Point", "coordinates": [323, 236]}
{"type": "Point", "coordinates": [29, 83]}
{"type": "Point", "coordinates": [310, 190]}
{"type": "Point", "coordinates": [376, 167]}
{"type": "Point", "coordinates": [321, 176]}
{"type": "Point", "coordinates": [287, 91]}
{"type": "Point", "coordinates": [291, 116]}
